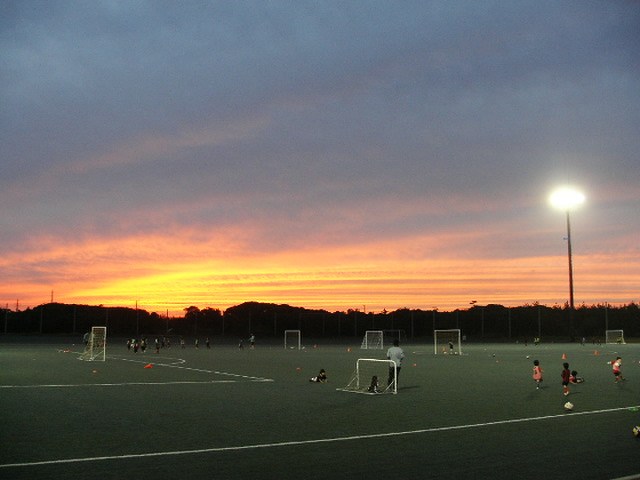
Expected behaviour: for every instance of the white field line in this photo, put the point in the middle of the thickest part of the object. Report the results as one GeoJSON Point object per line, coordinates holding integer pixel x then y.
{"type": "Point", "coordinates": [170, 365]}
{"type": "Point", "coordinates": [313, 442]}
{"type": "Point", "coordinates": [124, 384]}
{"type": "Point", "coordinates": [177, 364]}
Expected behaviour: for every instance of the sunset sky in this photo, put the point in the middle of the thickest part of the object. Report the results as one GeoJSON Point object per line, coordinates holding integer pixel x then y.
{"type": "Point", "coordinates": [338, 155]}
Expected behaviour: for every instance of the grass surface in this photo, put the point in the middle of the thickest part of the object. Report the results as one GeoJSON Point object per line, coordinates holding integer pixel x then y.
{"type": "Point", "coordinates": [224, 413]}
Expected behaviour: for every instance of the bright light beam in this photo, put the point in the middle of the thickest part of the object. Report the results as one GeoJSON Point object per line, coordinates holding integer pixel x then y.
{"type": "Point", "coordinates": [566, 198]}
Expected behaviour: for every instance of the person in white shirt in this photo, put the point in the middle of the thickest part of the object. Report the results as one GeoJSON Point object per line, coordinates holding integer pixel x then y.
{"type": "Point", "coordinates": [396, 354]}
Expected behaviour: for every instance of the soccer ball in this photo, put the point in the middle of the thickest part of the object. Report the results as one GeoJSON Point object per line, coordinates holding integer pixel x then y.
{"type": "Point", "coordinates": [568, 406]}
{"type": "Point", "coordinates": [636, 431]}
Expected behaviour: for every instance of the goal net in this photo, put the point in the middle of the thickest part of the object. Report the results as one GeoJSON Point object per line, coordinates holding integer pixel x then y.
{"type": "Point", "coordinates": [447, 342]}
{"type": "Point", "coordinates": [614, 336]}
{"type": "Point", "coordinates": [96, 347]}
{"type": "Point", "coordinates": [370, 377]}
{"type": "Point", "coordinates": [373, 340]}
{"type": "Point", "coordinates": [293, 339]}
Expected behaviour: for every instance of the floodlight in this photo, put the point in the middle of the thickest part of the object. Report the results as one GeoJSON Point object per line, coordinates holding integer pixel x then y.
{"type": "Point", "coordinates": [566, 198]}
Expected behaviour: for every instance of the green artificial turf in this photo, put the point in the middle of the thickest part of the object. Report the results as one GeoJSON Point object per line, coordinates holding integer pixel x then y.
{"type": "Point", "coordinates": [226, 413]}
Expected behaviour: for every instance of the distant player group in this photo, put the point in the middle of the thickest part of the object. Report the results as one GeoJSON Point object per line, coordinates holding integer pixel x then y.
{"type": "Point", "coordinates": [571, 376]}
{"type": "Point", "coordinates": [140, 345]}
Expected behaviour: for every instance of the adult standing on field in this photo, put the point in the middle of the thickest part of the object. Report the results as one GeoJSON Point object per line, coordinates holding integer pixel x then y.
{"type": "Point", "coordinates": [396, 354]}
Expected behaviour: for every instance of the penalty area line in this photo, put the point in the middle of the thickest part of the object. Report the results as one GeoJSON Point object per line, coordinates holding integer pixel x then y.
{"type": "Point", "coordinates": [192, 369]}
{"type": "Point", "coordinates": [126, 384]}
{"type": "Point", "coordinates": [311, 442]}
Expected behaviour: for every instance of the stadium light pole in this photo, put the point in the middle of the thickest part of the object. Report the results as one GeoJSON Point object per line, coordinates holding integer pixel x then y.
{"type": "Point", "coordinates": [566, 199]}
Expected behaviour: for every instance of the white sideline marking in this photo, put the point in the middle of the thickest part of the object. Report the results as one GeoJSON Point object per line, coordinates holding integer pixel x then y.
{"type": "Point", "coordinates": [310, 442]}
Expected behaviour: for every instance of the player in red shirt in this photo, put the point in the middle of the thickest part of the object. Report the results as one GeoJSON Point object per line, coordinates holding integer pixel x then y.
{"type": "Point", "coordinates": [537, 373]}
{"type": "Point", "coordinates": [566, 378]}
{"type": "Point", "coordinates": [617, 369]}
{"type": "Point", "coordinates": [574, 378]}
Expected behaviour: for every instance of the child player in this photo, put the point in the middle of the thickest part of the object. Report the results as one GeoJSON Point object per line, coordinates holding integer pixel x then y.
{"type": "Point", "coordinates": [566, 378]}
{"type": "Point", "coordinates": [537, 373]}
{"type": "Point", "coordinates": [574, 378]}
{"type": "Point", "coordinates": [617, 369]}
{"type": "Point", "coordinates": [320, 378]}
{"type": "Point", "coordinates": [373, 386]}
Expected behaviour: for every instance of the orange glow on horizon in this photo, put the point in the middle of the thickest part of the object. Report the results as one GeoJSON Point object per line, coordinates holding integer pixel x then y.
{"type": "Point", "coordinates": [164, 274]}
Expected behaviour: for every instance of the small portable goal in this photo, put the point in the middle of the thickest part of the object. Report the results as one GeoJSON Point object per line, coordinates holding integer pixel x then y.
{"type": "Point", "coordinates": [373, 340]}
{"type": "Point", "coordinates": [614, 336]}
{"type": "Point", "coordinates": [96, 348]}
{"type": "Point", "coordinates": [292, 339]}
{"type": "Point", "coordinates": [443, 340]}
{"type": "Point", "coordinates": [370, 377]}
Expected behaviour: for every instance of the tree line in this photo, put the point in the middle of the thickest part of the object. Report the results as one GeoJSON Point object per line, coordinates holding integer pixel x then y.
{"type": "Point", "coordinates": [489, 322]}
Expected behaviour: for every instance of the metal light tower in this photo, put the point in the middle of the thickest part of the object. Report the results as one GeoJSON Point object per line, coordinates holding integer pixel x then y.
{"type": "Point", "coordinates": [565, 199]}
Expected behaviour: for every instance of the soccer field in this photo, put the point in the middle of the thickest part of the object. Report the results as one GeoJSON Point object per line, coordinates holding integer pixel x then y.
{"type": "Point", "coordinates": [228, 413]}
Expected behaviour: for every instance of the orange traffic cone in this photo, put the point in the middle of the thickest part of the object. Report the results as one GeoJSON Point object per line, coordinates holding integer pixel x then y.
{"type": "Point", "coordinates": [148, 365]}
{"type": "Point", "coordinates": [564, 356]}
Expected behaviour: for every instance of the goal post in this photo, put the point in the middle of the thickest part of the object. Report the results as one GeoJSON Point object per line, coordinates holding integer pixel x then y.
{"type": "Point", "coordinates": [96, 348]}
{"type": "Point", "coordinates": [293, 339]}
{"type": "Point", "coordinates": [370, 377]}
{"type": "Point", "coordinates": [447, 341]}
{"type": "Point", "coordinates": [373, 340]}
{"type": "Point", "coordinates": [614, 336]}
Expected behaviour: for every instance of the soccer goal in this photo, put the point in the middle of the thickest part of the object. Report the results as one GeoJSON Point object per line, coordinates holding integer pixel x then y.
{"type": "Point", "coordinates": [370, 377]}
{"type": "Point", "coordinates": [447, 341]}
{"type": "Point", "coordinates": [373, 340]}
{"type": "Point", "coordinates": [96, 348]}
{"type": "Point", "coordinates": [614, 336]}
{"type": "Point", "coordinates": [292, 339]}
